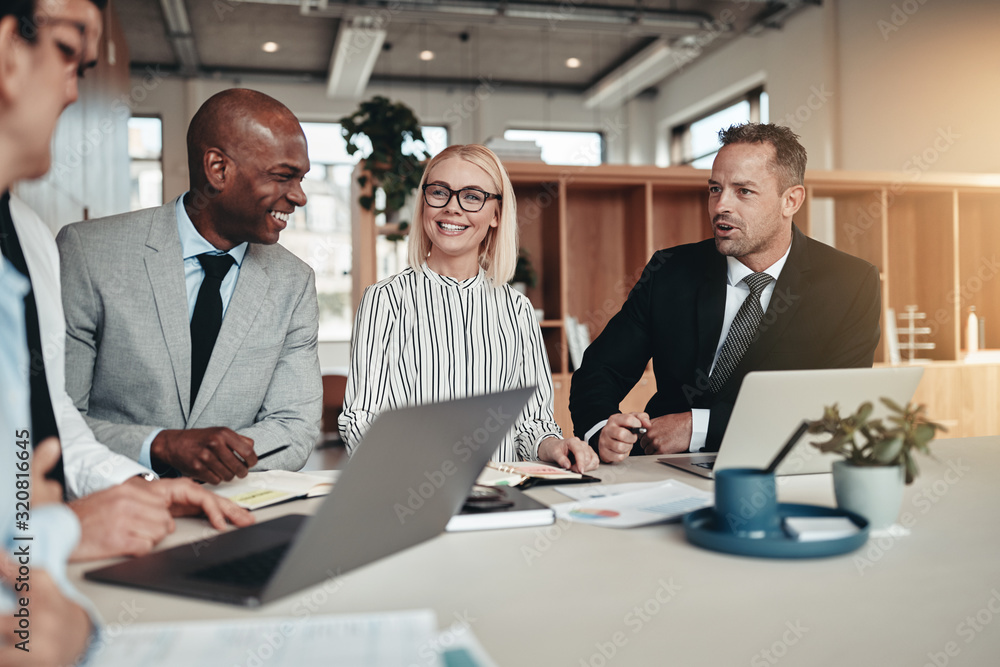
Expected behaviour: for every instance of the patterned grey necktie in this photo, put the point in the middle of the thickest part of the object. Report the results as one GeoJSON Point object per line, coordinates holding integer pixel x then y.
{"type": "Point", "coordinates": [741, 332]}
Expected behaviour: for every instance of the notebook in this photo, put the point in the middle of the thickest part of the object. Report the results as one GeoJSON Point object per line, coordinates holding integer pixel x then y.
{"type": "Point", "coordinates": [270, 487]}
{"type": "Point", "coordinates": [409, 475]}
{"type": "Point", "coordinates": [522, 512]}
{"type": "Point", "coordinates": [525, 474]}
{"type": "Point", "coordinates": [772, 404]}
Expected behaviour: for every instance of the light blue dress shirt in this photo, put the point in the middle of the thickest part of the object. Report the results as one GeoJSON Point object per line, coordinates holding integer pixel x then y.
{"type": "Point", "coordinates": [192, 245]}
{"type": "Point", "coordinates": [49, 533]}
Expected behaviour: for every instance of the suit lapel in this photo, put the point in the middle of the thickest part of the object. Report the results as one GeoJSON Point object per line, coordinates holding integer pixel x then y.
{"type": "Point", "coordinates": [165, 269]}
{"type": "Point", "coordinates": [711, 306]}
{"type": "Point", "coordinates": [251, 290]}
{"type": "Point", "coordinates": [785, 300]}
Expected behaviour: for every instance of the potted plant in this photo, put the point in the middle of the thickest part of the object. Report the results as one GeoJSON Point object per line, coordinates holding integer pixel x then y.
{"type": "Point", "coordinates": [388, 127]}
{"type": "Point", "coordinates": [525, 275]}
{"type": "Point", "coordinates": [878, 457]}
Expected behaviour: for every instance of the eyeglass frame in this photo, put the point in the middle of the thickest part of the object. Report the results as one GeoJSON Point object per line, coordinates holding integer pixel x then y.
{"type": "Point", "coordinates": [30, 31]}
{"type": "Point", "coordinates": [452, 193]}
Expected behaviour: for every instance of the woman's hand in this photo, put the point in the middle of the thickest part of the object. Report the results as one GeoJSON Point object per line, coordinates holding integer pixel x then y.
{"type": "Point", "coordinates": [571, 453]}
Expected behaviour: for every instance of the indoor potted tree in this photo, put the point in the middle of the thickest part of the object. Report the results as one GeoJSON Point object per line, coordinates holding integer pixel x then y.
{"type": "Point", "coordinates": [525, 275]}
{"type": "Point", "coordinates": [878, 457]}
{"type": "Point", "coordinates": [395, 161]}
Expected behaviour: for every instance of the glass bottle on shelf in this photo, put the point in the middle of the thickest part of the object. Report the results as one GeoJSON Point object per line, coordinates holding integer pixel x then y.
{"type": "Point", "coordinates": [972, 332]}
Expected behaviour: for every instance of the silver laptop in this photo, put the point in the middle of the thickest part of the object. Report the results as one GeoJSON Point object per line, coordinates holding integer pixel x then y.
{"type": "Point", "coordinates": [410, 474]}
{"type": "Point", "coordinates": [772, 404]}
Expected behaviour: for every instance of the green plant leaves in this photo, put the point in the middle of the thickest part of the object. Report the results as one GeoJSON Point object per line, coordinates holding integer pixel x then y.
{"type": "Point", "coordinates": [388, 127]}
{"type": "Point", "coordinates": [887, 451]}
{"type": "Point", "coordinates": [864, 441]}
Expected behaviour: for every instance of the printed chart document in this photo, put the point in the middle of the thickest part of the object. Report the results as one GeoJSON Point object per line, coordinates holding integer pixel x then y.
{"type": "Point", "coordinates": [661, 502]}
{"type": "Point", "coordinates": [365, 640]}
{"type": "Point", "coordinates": [260, 489]}
{"type": "Point", "coordinates": [604, 490]}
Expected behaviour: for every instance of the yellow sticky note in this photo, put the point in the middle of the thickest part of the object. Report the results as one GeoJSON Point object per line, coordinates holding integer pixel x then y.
{"type": "Point", "coordinates": [259, 498]}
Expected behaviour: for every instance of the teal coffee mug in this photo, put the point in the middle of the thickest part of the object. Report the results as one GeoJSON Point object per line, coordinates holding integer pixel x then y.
{"type": "Point", "coordinates": [746, 502]}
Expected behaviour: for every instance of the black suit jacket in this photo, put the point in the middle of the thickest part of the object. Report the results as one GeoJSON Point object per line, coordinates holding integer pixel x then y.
{"type": "Point", "coordinates": [824, 313]}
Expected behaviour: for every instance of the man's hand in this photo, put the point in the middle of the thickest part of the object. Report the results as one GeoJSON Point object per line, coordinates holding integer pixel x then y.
{"type": "Point", "coordinates": [616, 439]}
{"type": "Point", "coordinates": [572, 453]}
{"type": "Point", "coordinates": [45, 491]}
{"type": "Point", "coordinates": [125, 520]}
{"type": "Point", "coordinates": [669, 434]}
{"type": "Point", "coordinates": [185, 498]}
{"type": "Point", "coordinates": [60, 628]}
{"type": "Point", "coordinates": [211, 455]}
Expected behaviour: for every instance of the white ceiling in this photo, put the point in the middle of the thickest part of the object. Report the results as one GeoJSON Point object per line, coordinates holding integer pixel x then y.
{"type": "Point", "coordinates": [513, 42]}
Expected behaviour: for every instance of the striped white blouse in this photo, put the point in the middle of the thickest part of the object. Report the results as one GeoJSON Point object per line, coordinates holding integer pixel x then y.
{"type": "Point", "coordinates": [422, 338]}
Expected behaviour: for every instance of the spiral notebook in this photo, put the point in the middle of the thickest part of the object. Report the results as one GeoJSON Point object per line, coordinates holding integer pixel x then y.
{"type": "Point", "coordinates": [525, 474]}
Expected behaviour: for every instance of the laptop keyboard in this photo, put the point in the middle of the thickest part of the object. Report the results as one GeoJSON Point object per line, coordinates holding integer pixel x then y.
{"type": "Point", "coordinates": [707, 465]}
{"type": "Point", "coordinates": [255, 568]}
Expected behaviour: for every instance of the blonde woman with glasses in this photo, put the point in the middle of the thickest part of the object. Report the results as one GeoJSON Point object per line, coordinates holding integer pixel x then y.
{"type": "Point", "coordinates": [449, 326]}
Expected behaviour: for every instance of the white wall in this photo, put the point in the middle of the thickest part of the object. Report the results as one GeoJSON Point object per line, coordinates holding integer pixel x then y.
{"type": "Point", "coordinates": [898, 85]}
{"type": "Point", "coordinates": [795, 65]}
{"type": "Point", "coordinates": [921, 78]}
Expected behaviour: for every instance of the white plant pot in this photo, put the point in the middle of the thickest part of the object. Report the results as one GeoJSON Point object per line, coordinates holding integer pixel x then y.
{"type": "Point", "coordinates": [874, 492]}
{"type": "Point", "coordinates": [520, 287]}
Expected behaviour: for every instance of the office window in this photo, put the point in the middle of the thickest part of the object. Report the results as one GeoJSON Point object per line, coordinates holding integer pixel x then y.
{"type": "Point", "coordinates": [697, 142]}
{"type": "Point", "coordinates": [319, 233]}
{"type": "Point", "coordinates": [145, 151]}
{"type": "Point", "coordinates": [574, 148]}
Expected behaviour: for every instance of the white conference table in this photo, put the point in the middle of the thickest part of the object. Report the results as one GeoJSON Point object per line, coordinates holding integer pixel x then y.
{"type": "Point", "coordinates": [580, 595]}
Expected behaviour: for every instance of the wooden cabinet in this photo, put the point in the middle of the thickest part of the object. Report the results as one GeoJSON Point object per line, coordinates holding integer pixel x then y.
{"type": "Point", "coordinates": [934, 238]}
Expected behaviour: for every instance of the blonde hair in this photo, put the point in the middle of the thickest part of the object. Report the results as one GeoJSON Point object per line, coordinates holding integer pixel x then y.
{"type": "Point", "coordinates": [498, 251]}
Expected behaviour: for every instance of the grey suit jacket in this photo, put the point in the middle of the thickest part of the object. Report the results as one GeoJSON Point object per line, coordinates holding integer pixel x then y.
{"type": "Point", "coordinates": [128, 344]}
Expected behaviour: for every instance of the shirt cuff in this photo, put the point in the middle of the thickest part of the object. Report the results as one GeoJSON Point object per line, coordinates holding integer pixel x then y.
{"type": "Point", "coordinates": [144, 455]}
{"type": "Point", "coordinates": [594, 429]}
{"type": "Point", "coordinates": [539, 439]}
{"type": "Point", "coordinates": [699, 428]}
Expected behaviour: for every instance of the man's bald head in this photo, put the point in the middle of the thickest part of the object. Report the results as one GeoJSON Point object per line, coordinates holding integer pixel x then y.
{"type": "Point", "coordinates": [247, 156]}
{"type": "Point", "coordinates": [235, 121]}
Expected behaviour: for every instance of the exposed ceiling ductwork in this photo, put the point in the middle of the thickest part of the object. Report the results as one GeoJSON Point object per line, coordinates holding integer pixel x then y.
{"type": "Point", "coordinates": [620, 48]}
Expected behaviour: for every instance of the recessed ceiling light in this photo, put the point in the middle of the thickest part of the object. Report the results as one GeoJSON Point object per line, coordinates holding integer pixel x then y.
{"type": "Point", "coordinates": [270, 47]}
{"type": "Point", "coordinates": [427, 55]}
{"type": "Point", "coordinates": [572, 63]}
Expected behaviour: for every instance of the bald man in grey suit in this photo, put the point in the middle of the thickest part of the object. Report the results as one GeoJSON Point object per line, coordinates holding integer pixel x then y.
{"type": "Point", "coordinates": [130, 287]}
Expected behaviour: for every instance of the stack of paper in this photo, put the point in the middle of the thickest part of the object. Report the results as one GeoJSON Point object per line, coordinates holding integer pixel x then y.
{"type": "Point", "coordinates": [363, 640]}
{"type": "Point", "coordinates": [820, 528]}
{"type": "Point", "coordinates": [510, 150]}
{"type": "Point", "coordinates": [631, 505]}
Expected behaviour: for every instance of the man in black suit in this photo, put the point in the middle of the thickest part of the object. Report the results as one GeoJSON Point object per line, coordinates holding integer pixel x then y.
{"type": "Point", "coordinates": [818, 308]}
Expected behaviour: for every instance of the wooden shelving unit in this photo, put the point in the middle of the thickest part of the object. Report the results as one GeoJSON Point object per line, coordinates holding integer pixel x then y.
{"type": "Point", "coordinates": [935, 240]}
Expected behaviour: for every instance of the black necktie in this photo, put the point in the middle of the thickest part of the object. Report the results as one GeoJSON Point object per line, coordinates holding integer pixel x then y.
{"type": "Point", "coordinates": [207, 317]}
{"type": "Point", "coordinates": [741, 332]}
{"type": "Point", "coordinates": [43, 419]}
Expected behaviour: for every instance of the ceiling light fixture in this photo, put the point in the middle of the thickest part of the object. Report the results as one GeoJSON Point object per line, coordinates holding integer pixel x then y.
{"type": "Point", "coordinates": [572, 63]}
{"type": "Point", "coordinates": [426, 55]}
{"type": "Point", "coordinates": [270, 47]}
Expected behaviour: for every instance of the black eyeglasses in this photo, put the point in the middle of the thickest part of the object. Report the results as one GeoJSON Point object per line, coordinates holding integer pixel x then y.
{"type": "Point", "coordinates": [74, 54]}
{"type": "Point", "coordinates": [471, 200]}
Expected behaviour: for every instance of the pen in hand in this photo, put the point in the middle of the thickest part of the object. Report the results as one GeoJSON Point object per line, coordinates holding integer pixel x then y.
{"type": "Point", "coordinates": [273, 451]}
{"type": "Point", "coordinates": [265, 454]}
{"type": "Point", "coordinates": [637, 430]}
